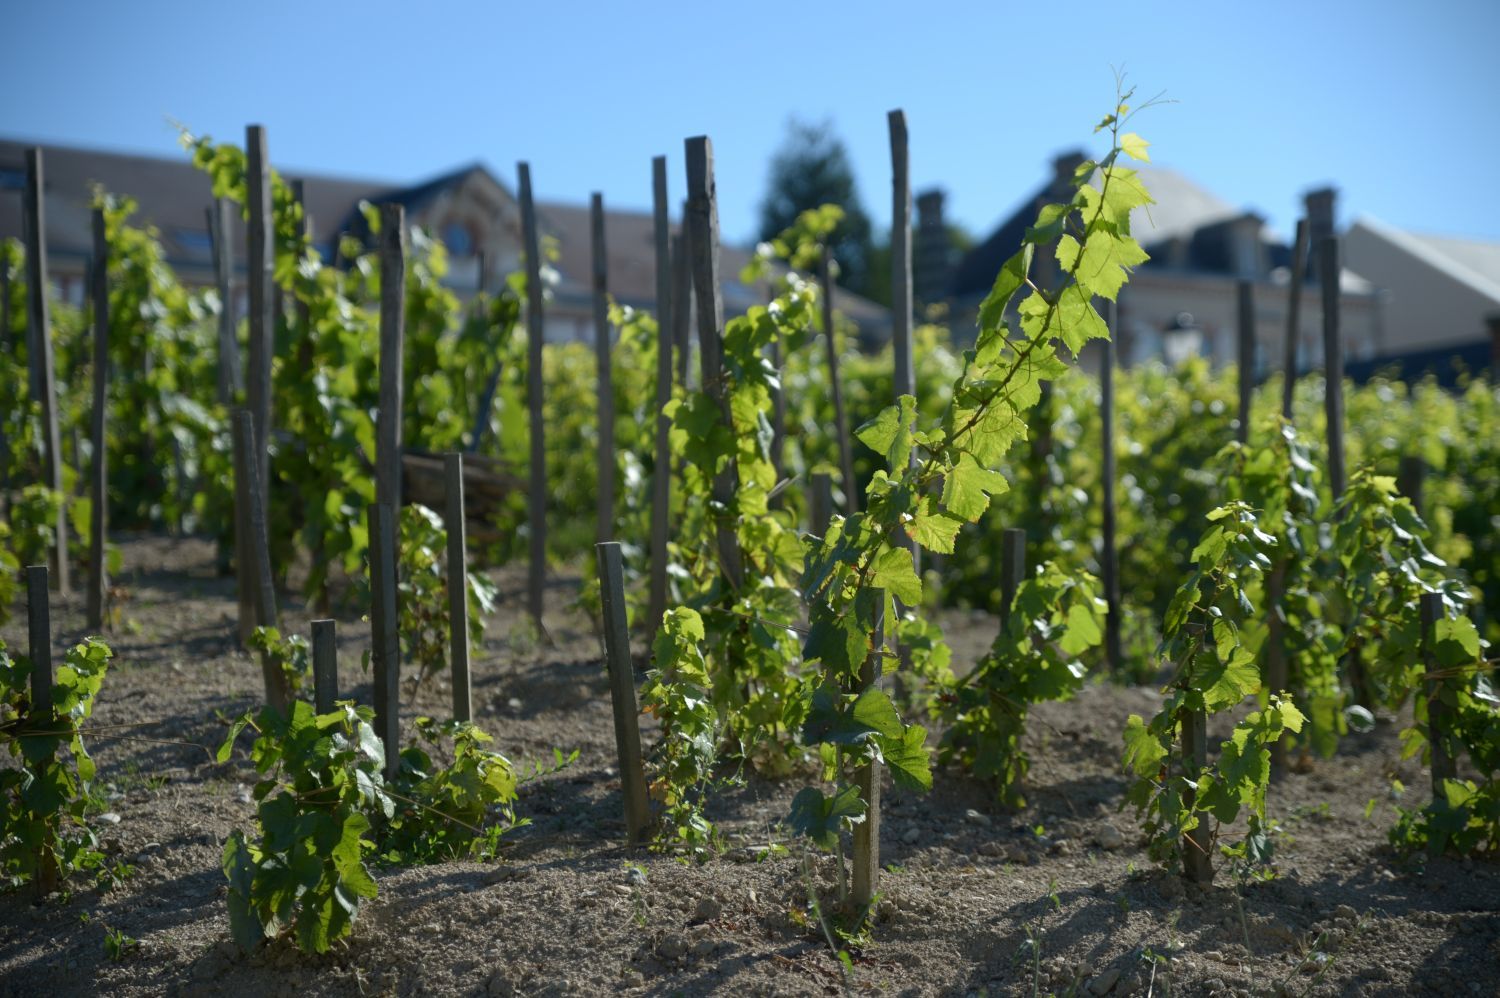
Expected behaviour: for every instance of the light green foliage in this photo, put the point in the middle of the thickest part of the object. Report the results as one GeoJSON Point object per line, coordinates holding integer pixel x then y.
{"type": "Point", "coordinates": [290, 654]}
{"type": "Point", "coordinates": [1216, 671]}
{"type": "Point", "coordinates": [324, 809]}
{"type": "Point", "coordinates": [1035, 658]}
{"type": "Point", "coordinates": [446, 813]}
{"type": "Point", "coordinates": [44, 796]}
{"type": "Point", "coordinates": [677, 692]}
{"type": "Point", "coordinates": [305, 874]}
{"type": "Point", "coordinates": [422, 584]}
{"type": "Point", "coordinates": [1466, 818]}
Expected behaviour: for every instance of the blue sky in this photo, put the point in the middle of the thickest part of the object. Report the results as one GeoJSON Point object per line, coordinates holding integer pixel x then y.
{"type": "Point", "coordinates": [1393, 102]}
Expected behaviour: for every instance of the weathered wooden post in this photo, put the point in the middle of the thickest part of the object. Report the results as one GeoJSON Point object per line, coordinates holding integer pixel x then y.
{"type": "Point", "coordinates": [98, 511]}
{"type": "Point", "coordinates": [392, 347]}
{"type": "Point", "coordinates": [821, 505]}
{"type": "Point", "coordinates": [39, 347]}
{"type": "Point", "coordinates": [259, 271]}
{"type": "Point", "coordinates": [1293, 316]}
{"type": "Point", "coordinates": [836, 386]}
{"type": "Point", "coordinates": [661, 467]}
{"type": "Point", "coordinates": [1409, 478]}
{"type": "Point", "coordinates": [1012, 569]}
{"type": "Point", "coordinates": [5, 453]}
{"type": "Point", "coordinates": [325, 660]}
{"type": "Point", "coordinates": [622, 691]}
{"type": "Point", "coordinates": [1333, 354]}
{"type": "Point", "coordinates": [536, 513]}
{"type": "Point", "coordinates": [258, 549]}
{"type": "Point", "coordinates": [703, 224]}
{"type": "Point", "coordinates": [606, 392]}
{"type": "Point", "coordinates": [385, 645]}
{"type": "Point", "coordinates": [1439, 720]}
{"type": "Point", "coordinates": [1197, 859]}
{"type": "Point", "coordinates": [1109, 557]}
{"type": "Point", "coordinates": [1244, 293]}
{"type": "Point", "coordinates": [39, 711]}
{"type": "Point", "coordinates": [866, 851]}
{"type": "Point", "coordinates": [228, 377]}
{"type": "Point", "coordinates": [901, 290]}
{"type": "Point", "coordinates": [458, 585]}
{"type": "Point", "coordinates": [682, 298]}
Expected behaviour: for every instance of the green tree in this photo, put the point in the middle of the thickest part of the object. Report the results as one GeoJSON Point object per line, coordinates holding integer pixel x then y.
{"type": "Point", "coordinates": [811, 169]}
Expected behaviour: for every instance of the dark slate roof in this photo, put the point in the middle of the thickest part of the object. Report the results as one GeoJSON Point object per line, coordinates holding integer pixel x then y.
{"type": "Point", "coordinates": [1445, 364]}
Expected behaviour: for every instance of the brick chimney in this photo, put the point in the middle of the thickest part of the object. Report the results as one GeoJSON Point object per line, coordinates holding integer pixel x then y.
{"type": "Point", "coordinates": [933, 264]}
{"type": "Point", "coordinates": [1319, 204]}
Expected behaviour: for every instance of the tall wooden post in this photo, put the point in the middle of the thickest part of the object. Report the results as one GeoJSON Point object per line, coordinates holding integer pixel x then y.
{"type": "Point", "coordinates": [1333, 354]}
{"type": "Point", "coordinates": [1197, 859]}
{"type": "Point", "coordinates": [259, 270]}
{"type": "Point", "coordinates": [821, 505]}
{"type": "Point", "coordinates": [682, 298]}
{"type": "Point", "coordinates": [1012, 569]}
{"type": "Point", "coordinates": [98, 511]}
{"type": "Point", "coordinates": [622, 691]}
{"type": "Point", "coordinates": [40, 713]}
{"type": "Point", "coordinates": [866, 852]}
{"type": "Point", "coordinates": [703, 225]}
{"type": "Point", "coordinates": [1409, 477]}
{"type": "Point", "coordinates": [901, 289]}
{"type": "Point", "coordinates": [1109, 557]}
{"type": "Point", "coordinates": [1244, 293]}
{"type": "Point", "coordinates": [1293, 315]}
{"type": "Point", "coordinates": [458, 585]}
{"type": "Point", "coordinates": [836, 386]}
{"type": "Point", "coordinates": [606, 455]}
{"type": "Point", "coordinates": [39, 346]}
{"type": "Point", "coordinates": [661, 467]}
{"type": "Point", "coordinates": [258, 550]}
{"type": "Point", "coordinates": [536, 518]}
{"type": "Point", "coordinates": [1439, 721]}
{"type": "Point", "coordinates": [228, 378]}
{"type": "Point", "coordinates": [385, 645]}
{"type": "Point", "coordinates": [325, 657]}
{"type": "Point", "coordinates": [392, 349]}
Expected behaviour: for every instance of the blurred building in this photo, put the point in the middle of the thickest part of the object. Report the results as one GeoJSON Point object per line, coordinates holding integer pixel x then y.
{"type": "Point", "coordinates": [1183, 301]}
{"type": "Point", "coordinates": [472, 211]}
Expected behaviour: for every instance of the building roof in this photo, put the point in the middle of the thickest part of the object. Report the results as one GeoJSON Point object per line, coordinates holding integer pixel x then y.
{"type": "Point", "coordinates": [1469, 262]}
{"type": "Point", "coordinates": [173, 194]}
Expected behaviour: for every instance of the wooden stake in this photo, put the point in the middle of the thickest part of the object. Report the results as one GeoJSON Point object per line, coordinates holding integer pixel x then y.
{"type": "Point", "coordinates": [229, 378]}
{"type": "Point", "coordinates": [867, 779]}
{"type": "Point", "coordinates": [1012, 569]}
{"type": "Point", "coordinates": [901, 289]}
{"type": "Point", "coordinates": [257, 544]}
{"type": "Point", "coordinates": [1333, 353]}
{"type": "Point", "coordinates": [1197, 861]}
{"type": "Point", "coordinates": [836, 386]}
{"type": "Point", "coordinates": [682, 298]}
{"type": "Point", "coordinates": [40, 713]}
{"type": "Point", "coordinates": [1293, 314]}
{"type": "Point", "coordinates": [259, 269]}
{"type": "Point", "coordinates": [703, 224]}
{"type": "Point", "coordinates": [606, 419]}
{"type": "Point", "coordinates": [1109, 557]}
{"type": "Point", "coordinates": [39, 346]}
{"type": "Point", "coordinates": [325, 656]}
{"type": "Point", "coordinates": [822, 503]}
{"type": "Point", "coordinates": [385, 645]}
{"type": "Point", "coordinates": [1245, 340]}
{"type": "Point", "coordinates": [1439, 719]}
{"type": "Point", "coordinates": [1409, 479]}
{"type": "Point", "coordinates": [98, 510]}
{"type": "Point", "coordinates": [622, 691]}
{"type": "Point", "coordinates": [458, 586]}
{"type": "Point", "coordinates": [392, 350]}
{"type": "Point", "coordinates": [661, 467]}
{"type": "Point", "coordinates": [536, 518]}
{"type": "Point", "coordinates": [1274, 667]}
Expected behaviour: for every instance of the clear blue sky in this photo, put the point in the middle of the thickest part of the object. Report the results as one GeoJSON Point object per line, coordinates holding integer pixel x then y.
{"type": "Point", "coordinates": [1394, 102]}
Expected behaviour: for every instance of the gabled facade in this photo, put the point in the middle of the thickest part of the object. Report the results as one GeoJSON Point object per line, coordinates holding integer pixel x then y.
{"type": "Point", "coordinates": [471, 210]}
{"type": "Point", "coordinates": [1184, 299]}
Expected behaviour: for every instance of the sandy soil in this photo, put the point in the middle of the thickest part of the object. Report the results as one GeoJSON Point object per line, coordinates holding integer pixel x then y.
{"type": "Point", "coordinates": [976, 900]}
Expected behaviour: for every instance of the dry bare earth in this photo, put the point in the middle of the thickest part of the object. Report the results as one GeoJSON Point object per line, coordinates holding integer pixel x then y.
{"type": "Point", "coordinates": [977, 901]}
